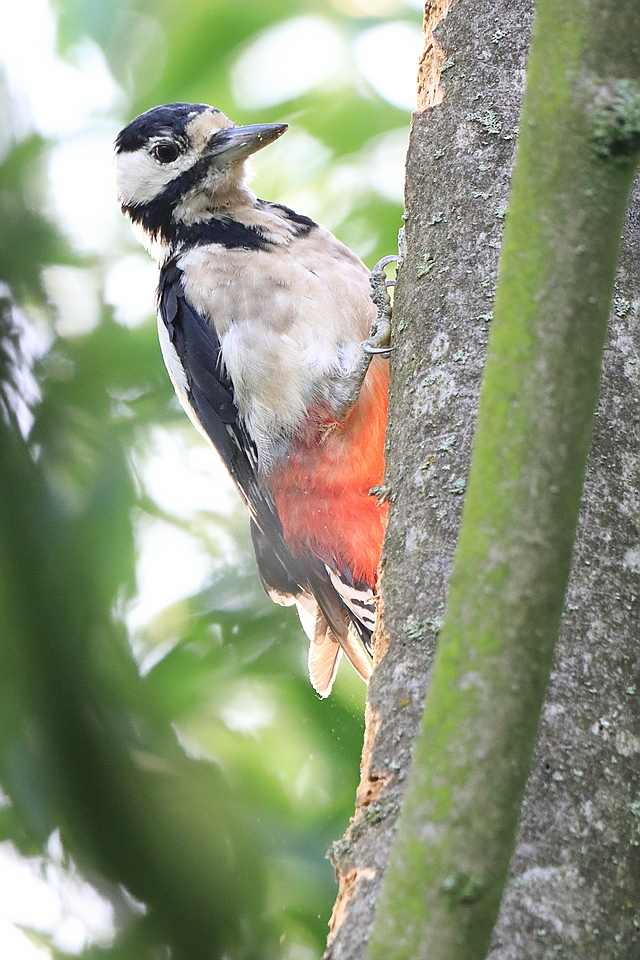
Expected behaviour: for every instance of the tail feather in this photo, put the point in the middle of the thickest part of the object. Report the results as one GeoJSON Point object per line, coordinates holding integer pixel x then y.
{"type": "Point", "coordinates": [356, 656]}
{"type": "Point", "coordinates": [336, 615]}
{"type": "Point", "coordinates": [325, 647]}
{"type": "Point", "coordinates": [324, 657]}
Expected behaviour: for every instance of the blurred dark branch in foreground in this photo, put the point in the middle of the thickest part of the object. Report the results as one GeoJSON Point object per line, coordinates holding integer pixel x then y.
{"type": "Point", "coordinates": [83, 747]}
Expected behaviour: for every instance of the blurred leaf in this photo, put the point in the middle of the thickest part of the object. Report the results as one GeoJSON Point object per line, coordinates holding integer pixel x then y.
{"type": "Point", "coordinates": [210, 787]}
{"type": "Point", "coordinates": [23, 227]}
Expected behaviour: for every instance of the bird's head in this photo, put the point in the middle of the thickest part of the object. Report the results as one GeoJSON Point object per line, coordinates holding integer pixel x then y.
{"type": "Point", "coordinates": [178, 164]}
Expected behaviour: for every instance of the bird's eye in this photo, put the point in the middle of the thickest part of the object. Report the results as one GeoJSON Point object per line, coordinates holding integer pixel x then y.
{"type": "Point", "coordinates": [165, 152]}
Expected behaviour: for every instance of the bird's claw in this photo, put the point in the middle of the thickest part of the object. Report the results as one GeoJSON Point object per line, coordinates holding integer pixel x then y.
{"type": "Point", "coordinates": [384, 351]}
{"type": "Point", "coordinates": [379, 340]}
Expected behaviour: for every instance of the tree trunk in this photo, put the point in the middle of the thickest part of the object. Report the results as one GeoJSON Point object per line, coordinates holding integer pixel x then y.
{"type": "Point", "coordinates": [574, 887]}
{"type": "Point", "coordinates": [458, 171]}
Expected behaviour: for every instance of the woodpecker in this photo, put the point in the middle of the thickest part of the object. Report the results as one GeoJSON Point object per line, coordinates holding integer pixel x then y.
{"type": "Point", "coordinates": [278, 354]}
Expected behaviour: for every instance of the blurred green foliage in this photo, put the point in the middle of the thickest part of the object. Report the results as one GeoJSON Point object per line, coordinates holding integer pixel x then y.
{"type": "Point", "coordinates": [194, 777]}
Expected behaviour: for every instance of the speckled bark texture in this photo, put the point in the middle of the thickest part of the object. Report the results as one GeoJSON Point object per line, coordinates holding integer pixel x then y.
{"type": "Point", "coordinates": [458, 170]}
{"type": "Point", "coordinates": [574, 889]}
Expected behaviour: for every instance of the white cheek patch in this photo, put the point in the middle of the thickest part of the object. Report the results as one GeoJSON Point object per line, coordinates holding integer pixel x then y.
{"type": "Point", "coordinates": [140, 178]}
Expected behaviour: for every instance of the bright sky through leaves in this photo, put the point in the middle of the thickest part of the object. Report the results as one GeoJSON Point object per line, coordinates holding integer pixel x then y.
{"type": "Point", "coordinates": [78, 105]}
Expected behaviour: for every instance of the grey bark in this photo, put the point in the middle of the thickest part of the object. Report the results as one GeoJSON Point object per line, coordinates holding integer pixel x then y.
{"type": "Point", "coordinates": [574, 886]}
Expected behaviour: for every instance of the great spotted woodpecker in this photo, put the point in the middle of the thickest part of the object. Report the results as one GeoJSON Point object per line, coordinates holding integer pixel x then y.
{"type": "Point", "coordinates": [279, 357]}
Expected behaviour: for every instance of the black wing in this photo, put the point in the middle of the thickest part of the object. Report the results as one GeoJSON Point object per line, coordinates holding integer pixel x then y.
{"type": "Point", "coordinates": [211, 397]}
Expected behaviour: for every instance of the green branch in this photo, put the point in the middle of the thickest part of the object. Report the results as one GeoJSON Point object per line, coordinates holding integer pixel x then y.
{"type": "Point", "coordinates": [578, 148]}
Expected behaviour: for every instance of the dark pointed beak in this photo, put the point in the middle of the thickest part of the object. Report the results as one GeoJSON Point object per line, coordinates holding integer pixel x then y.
{"type": "Point", "coordinates": [238, 143]}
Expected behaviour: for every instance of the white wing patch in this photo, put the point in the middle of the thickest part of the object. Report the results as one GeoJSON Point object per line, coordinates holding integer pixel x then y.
{"type": "Point", "coordinates": [172, 363]}
{"type": "Point", "coordinates": [178, 376]}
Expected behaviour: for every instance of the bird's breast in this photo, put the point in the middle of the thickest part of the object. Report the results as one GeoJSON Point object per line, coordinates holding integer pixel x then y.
{"type": "Point", "coordinates": [290, 321]}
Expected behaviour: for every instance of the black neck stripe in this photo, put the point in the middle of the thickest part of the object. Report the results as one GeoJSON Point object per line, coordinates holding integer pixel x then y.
{"type": "Point", "coordinates": [303, 224]}
{"type": "Point", "coordinates": [156, 218]}
{"type": "Point", "coordinates": [223, 230]}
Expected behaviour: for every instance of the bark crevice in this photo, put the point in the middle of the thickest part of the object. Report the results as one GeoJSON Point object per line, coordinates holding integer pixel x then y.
{"type": "Point", "coordinates": [433, 56]}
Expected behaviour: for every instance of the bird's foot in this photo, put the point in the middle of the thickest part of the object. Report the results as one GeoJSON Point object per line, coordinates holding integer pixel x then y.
{"type": "Point", "coordinates": [379, 340]}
